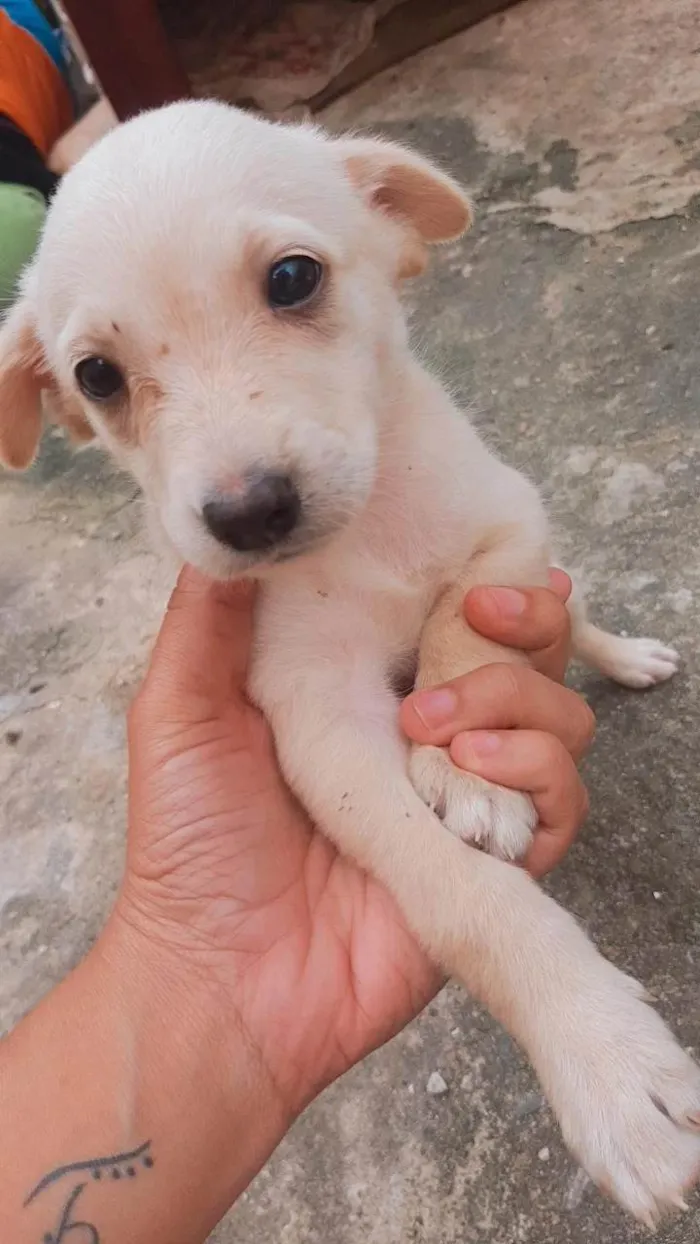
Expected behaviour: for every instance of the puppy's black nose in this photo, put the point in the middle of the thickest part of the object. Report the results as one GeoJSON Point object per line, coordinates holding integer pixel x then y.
{"type": "Point", "coordinates": [257, 520]}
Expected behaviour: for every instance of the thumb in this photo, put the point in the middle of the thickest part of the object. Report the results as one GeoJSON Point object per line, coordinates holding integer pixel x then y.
{"type": "Point", "coordinates": [202, 652]}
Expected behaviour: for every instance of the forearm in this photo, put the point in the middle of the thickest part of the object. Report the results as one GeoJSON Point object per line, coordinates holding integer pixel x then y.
{"type": "Point", "coordinates": [121, 1059]}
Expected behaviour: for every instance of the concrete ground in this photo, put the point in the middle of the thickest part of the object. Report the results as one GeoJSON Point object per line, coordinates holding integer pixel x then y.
{"type": "Point", "coordinates": [568, 321]}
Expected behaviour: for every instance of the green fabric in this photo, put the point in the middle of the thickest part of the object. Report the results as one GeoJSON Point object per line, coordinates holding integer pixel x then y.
{"type": "Point", "coordinates": [22, 213]}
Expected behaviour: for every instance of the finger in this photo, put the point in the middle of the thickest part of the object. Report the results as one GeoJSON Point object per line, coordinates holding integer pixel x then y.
{"type": "Point", "coordinates": [533, 620]}
{"type": "Point", "coordinates": [559, 582]}
{"type": "Point", "coordinates": [499, 697]}
{"type": "Point", "coordinates": [203, 648]}
{"type": "Point", "coordinates": [540, 765]}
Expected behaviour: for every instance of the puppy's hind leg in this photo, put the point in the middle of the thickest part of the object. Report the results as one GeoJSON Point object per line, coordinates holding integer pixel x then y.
{"type": "Point", "coordinates": [633, 662]}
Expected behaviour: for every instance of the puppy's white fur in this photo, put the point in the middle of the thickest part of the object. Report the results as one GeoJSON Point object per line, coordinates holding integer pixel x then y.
{"type": "Point", "coordinates": [155, 255]}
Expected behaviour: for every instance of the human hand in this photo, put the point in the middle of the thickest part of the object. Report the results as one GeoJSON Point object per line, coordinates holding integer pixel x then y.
{"type": "Point", "coordinates": [308, 958]}
{"type": "Point", "coordinates": [515, 725]}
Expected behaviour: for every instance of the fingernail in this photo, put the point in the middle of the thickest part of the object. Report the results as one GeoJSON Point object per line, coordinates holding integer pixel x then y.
{"type": "Point", "coordinates": [480, 742]}
{"type": "Point", "coordinates": [435, 708]}
{"type": "Point", "coordinates": [509, 602]}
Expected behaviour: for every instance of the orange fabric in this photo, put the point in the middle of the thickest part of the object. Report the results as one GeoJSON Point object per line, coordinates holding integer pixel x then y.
{"type": "Point", "coordinates": [32, 91]}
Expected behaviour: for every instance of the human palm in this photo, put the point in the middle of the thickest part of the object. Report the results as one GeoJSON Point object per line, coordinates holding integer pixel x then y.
{"type": "Point", "coordinates": [311, 956]}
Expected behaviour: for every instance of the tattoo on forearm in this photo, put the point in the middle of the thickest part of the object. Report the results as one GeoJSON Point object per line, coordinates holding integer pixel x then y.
{"type": "Point", "coordinates": [80, 1174]}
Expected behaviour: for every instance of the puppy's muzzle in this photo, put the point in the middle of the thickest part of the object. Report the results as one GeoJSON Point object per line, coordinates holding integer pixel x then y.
{"type": "Point", "coordinates": [262, 517]}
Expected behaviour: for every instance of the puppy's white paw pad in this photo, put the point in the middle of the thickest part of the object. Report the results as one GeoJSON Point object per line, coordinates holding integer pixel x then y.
{"type": "Point", "coordinates": [493, 817]}
{"type": "Point", "coordinates": [644, 663]}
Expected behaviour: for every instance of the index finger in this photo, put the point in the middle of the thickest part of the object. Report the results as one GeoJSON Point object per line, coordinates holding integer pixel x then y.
{"type": "Point", "coordinates": [498, 697]}
{"type": "Point", "coordinates": [531, 620]}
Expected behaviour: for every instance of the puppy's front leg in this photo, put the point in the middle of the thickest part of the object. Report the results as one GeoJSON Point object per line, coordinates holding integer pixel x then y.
{"type": "Point", "coordinates": [497, 819]}
{"type": "Point", "coordinates": [627, 1096]}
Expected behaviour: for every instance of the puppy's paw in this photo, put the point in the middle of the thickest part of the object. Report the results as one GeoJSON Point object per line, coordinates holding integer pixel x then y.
{"type": "Point", "coordinates": [628, 1099]}
{"type": "Point", "coordinates": [642, 663]}
{"type": "Point", "coordinates": [493, 817]}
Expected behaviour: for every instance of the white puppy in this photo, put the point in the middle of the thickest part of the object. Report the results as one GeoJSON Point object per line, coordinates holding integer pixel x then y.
{"type": "Point", "coordinates": [215, 298]}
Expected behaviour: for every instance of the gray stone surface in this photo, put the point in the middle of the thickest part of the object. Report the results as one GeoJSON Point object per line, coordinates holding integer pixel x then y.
{"type": "Point", "coordinates": [568, 322]}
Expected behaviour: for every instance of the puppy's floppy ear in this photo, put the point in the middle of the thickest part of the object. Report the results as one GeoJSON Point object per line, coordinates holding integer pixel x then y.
{"type": "Point", "coordinates": [21, 382]}
{"type": "Point", "coordinates": [28, 390]}
{"type": "Point", "coordinates": [408, 190]}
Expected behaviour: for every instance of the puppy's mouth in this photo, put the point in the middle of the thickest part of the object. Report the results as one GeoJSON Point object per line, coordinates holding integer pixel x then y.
{"type": "Point", "coordinates": [302, 545]}
{"type": "Point", "coordinates": [273, 522]}
{"type": "Point", "coordinates": [221, 561]}
{"type": "Point", "coordinates": [252, 535]}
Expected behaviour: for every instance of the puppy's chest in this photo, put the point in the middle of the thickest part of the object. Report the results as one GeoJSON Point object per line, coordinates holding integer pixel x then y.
{"type": "Point", "coordinates": [373, 613]}
{"type": "Point", "coordinates": [396, 613]}
{"type": "Point", "coordinates": [365, 599]}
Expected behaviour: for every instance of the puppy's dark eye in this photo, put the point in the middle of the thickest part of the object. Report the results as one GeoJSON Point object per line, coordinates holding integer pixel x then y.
{"type": "Point", "coordinates": [98, 379]}
{"type": "Point", "coordinates": [293, 281]}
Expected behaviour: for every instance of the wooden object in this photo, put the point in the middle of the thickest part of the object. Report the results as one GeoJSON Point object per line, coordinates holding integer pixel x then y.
{"type": "Point", "coordinates": [130, 52]}
{"type": "Point", "coordinates": [138, 67]}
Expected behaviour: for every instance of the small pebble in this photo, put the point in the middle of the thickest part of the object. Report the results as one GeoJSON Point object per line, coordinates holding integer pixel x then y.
{"type": "Point", "coordinates": [657, 894]}
{"type": "Point", "coordinates": [436, 1085]}
{"type": "Point", "coordinates": [543, 1154]}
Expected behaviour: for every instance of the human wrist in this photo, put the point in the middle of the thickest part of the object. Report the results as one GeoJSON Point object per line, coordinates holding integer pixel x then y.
{"type": "Point", "coordinates": [196, 1053]}
{"type": "Point", "coordinates": [120, 1056]}
{"type": "Point", "coordinates": [232, 965]}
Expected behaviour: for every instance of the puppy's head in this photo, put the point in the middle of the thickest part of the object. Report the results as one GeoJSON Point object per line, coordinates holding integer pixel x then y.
{"type": "Point", "coordinates": [215, 298]}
